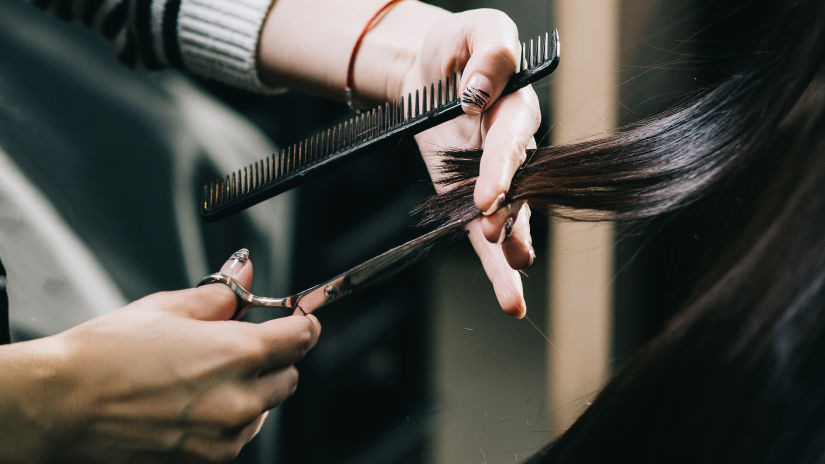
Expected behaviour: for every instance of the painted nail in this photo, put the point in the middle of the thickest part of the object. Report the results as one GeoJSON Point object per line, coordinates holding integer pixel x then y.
{"type": "Point", "coordinates": [235, 262]}
{"type": "Point", "coordinates": [507, 230]}
{"type": "Point", "coordinates": [496, 205]}
{"type": "Point", "coordinates": [476, 95]}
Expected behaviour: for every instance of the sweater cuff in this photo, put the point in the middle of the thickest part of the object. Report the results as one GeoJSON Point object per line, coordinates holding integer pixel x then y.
{"type": "Point", "coordinates": [219, 39]}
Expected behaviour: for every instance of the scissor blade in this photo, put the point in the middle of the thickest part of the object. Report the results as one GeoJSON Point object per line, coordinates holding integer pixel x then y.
{"type": "Point", "coordinates": [375, 270]}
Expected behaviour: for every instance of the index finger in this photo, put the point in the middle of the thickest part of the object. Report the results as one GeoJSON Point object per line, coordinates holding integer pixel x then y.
{"type": "Point", "coordinates": [288, 339]}
{"type": "Point", "coordinates": [510, 126]}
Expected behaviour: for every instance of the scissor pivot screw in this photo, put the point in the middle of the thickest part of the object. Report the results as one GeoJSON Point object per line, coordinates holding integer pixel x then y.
{"type": "Point", "coordinates": [331, 290]}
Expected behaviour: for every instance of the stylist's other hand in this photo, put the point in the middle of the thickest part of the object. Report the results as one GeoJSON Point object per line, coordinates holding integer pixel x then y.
{"type": "Point", "coordinates": [485, 45]}
{"type": "Point", "coordinates": [169, 379]}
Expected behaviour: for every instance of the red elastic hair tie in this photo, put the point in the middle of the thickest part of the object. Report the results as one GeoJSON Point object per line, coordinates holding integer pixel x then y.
{"type": "Point", "coordinates": [351, 66]}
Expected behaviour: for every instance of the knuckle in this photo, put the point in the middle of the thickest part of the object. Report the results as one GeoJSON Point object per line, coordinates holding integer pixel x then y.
{"type": "Point", "coordinates": [292, 379]}
{"type": "Point", "coordinates": [224, 452]}
{"type": "Point", "coordinates": [219, 294]}
{"type": "Point", "coordinates": [254, 350]}
{"type": "Point", "coordinates": [240, 409]}
{"type": "Point", "coordinates": [305, 338]}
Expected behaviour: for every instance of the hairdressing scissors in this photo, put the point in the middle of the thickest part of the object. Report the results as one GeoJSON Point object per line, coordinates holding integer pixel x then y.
{"type": "Point", "coordinates": [366, 274]}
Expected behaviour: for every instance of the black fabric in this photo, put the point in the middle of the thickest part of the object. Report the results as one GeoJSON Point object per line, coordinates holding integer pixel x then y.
{"type": "Point", "coordinates": [4, 308]}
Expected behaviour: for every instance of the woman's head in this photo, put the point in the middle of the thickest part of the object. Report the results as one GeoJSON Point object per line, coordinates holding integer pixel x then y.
{"type": "Point", "coordinates": [736, 376]}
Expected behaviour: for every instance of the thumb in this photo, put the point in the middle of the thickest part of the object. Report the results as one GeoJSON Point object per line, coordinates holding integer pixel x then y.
{"type": "Point", "coordinates": [493, 60]}
{"type": "Point", "coordinates": [216, 302]}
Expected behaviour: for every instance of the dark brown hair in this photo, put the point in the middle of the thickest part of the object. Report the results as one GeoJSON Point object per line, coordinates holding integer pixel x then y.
{"type": "Point", "coordinates": [738, 374]}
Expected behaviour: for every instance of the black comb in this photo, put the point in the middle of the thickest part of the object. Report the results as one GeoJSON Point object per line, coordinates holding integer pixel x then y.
{"type": "Point", "coordinates": [366, 132]}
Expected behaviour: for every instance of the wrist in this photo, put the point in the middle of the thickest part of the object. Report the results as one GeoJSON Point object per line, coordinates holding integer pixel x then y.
{"type": "Point", "coordinates": [32, 398]}
{"type": "Point", "coordinates": [306, 51]}
{"type": "Point", "coordinates": [389, 54]}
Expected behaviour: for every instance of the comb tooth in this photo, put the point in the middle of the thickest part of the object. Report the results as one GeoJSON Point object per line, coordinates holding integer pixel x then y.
{"type": "Point", "coordinates": [232, 188]}
{"type": "Point", "coordinates": [288, 160]}
{"type": "Point", "coordinates": [323, 148]}
{"type": "Point", "coordinates": [541, 48]}
{"type": "Point", "coordinates": [205, 204]}
{"type": "Point", "coordinates": [314, 148]}
{"type": "Point", "coordinates": [243, 180]}
{"type": "Point", "coordinates": [354, 129]}
{"type": "Point", "coordinates": [432, 96]}
{"type": "Point", "coordinates": [417, 100]}
{"type": "Point", "coordinates": [296, 157]}
{"type": "Point", "coordinates": [257, 178]}
{"type": "Point", "coordinates": [376, 121]}
{"type": "Point", "coordinates": [268, 174]}
{"type": "Point", "coordinates": [532, 53]}
{"type": "Point", "coordinates": [455, 87]}
{"type": "Point", "coordinates": [446, 90]}
{"type": "Point", "coordinates": [440, 94]}
{"type": "Point", "coordinates": [524, 56]}
{"type": "Point", "coordinates": [219, 193]}
{"type": "Point", "coordinates": [379, 119]}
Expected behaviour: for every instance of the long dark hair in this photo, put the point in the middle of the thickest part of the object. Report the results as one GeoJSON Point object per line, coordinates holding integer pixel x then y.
{"type": "Point", "coordinates": [738, 375]}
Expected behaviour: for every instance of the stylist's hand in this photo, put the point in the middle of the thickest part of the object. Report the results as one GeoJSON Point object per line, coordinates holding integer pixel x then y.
{"type": "Point", "coordinates": [169, 379]}
{"type": "Point", "coordinates": [485, 44]}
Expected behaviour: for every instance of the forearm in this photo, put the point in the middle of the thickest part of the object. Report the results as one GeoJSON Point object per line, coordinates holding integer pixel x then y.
{"type": "Point", "coordinates": [306, 45]}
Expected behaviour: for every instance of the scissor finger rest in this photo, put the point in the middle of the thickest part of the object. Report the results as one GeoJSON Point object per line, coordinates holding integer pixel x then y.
{"type": "Point", "coordinates": [245, 297]}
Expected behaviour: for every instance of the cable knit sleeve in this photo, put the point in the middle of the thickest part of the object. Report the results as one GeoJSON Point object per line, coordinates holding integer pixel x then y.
{"type": "Point", "coordinates": [212, 38]}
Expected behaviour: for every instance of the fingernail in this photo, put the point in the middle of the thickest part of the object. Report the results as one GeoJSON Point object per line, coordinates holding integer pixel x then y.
{"type": "Point", "coordinates": [235, 262]}
{"type": "Point", "coordinates": [507, 230]}
{"type": "Point", "coordinates": [476, 95]}
{"type": "Point", "coordinates": [532, 258]}
{"type": "Point", "coordinates": [496, 205]}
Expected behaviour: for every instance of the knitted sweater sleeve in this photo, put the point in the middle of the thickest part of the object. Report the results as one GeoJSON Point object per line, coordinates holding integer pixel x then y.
{"type": "Point", "coordinates": [212, 38]}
